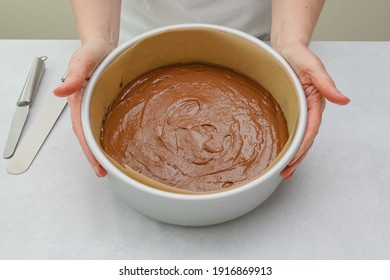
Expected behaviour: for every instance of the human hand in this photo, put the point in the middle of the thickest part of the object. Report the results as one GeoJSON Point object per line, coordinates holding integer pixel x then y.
{"type": "Point", "coordinates": [81, 66]}
{"type": "Point", "coordinates": [318, 87]}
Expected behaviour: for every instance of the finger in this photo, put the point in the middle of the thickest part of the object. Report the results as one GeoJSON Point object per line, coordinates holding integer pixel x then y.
{"type": "Point", "coordinates": [315, 107]}
{"type": "Point", "coordinates": [75, 105]}
{"type": "Point", "coordinates": [326, 86]}
{"type": "Point", "coordinates": [72, 83]}
{"type": "Point", "coordinates": [288, 172]}
{"type": "Point", "coordinates": [79, 70]}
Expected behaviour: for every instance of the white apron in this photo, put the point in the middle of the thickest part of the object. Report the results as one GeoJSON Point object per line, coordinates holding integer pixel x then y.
{"type": "Point", "coordinates": [250, 16]}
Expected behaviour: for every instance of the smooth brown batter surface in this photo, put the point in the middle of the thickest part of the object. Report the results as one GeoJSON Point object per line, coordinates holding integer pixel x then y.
{"type": "Point", "coordinates": [195, 126]}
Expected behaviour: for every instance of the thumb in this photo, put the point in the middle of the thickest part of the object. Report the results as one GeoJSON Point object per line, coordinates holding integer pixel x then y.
{"type": "Point", "coordinates": [326, 86]}
{"type": "Point", "coordinates": [79, 69]}
{"type": "Point", "coordinates": [73, 82]}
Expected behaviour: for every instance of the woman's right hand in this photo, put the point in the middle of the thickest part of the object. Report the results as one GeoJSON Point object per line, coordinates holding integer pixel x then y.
{"type": "Point", "coordinates": [81, 66]}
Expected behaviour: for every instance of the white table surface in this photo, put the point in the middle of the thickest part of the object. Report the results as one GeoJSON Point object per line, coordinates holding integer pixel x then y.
{"type": "Point", "coordinates": [336, 207]}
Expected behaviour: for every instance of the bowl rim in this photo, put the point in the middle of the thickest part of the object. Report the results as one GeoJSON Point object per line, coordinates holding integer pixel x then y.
{"type": "Point", "coordinates": [113, 171]}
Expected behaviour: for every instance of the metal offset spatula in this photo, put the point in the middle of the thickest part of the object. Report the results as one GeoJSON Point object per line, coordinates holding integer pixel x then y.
{"type": "Point", "coordinates": [23, 104]}
{"type": "Point", "coordinates": [44, 121]}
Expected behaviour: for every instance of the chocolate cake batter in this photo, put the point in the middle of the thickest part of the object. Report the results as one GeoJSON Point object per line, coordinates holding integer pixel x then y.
{"type": "Point", "coordinates": [194, 126]}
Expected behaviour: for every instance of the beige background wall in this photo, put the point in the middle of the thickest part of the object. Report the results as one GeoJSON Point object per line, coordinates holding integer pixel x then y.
{"type": "Point", "coordinates": [52, 19]}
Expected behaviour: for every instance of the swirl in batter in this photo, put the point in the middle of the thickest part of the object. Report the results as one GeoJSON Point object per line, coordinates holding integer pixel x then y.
{"type": "Point", "coordinates": [195, 126]}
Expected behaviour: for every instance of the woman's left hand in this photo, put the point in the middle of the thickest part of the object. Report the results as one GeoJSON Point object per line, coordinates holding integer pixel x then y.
{"type": "Point", "coordinates": [318, 87]}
